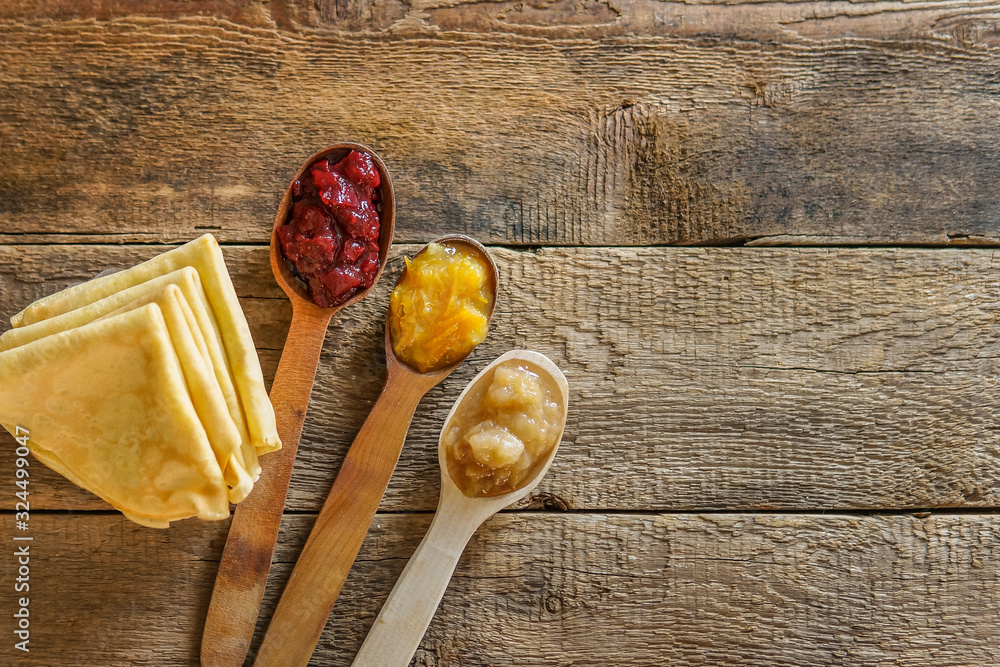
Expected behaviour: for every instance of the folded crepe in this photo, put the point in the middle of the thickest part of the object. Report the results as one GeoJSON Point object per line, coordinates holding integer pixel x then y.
{"type": "Point", "coordinates": [107, 405]}
{"type": "Point", "coordinates": [205, 256]}
{"type": "Point", "coordinates": [182, 301]}
{"type": "Point", "coordinates": [188, 281]}
{"type": "Point", "coordinates": [225, 430]}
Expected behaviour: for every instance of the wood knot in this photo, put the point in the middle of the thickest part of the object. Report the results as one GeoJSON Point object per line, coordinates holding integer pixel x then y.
{"type": "Point", "coordinates": [549, 502]}
{"type": "Point", "coordinates": [553, 603]}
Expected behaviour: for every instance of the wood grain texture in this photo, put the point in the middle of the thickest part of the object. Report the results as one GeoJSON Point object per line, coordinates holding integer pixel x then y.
{"type": "Point", "coordinates": [559, 589]}
{"type": "Point", "coordinates": [967, 23]}
{"type": "Point", "coordinates": [568, 123]}
{"type": "Point", "coordinates": [700, 378]}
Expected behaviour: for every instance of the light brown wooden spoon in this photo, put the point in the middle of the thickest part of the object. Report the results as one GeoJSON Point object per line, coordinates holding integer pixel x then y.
{"type": "Point", "coordinates": [246, 560]}
{"type": "Point", "coordinates": [343, 522]}
{"type": "Point", "coordinates": [408, 611]}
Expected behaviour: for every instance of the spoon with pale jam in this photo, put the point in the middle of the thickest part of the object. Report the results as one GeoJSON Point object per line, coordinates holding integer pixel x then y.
{"type": "Point", "coordinates": [497, 443]}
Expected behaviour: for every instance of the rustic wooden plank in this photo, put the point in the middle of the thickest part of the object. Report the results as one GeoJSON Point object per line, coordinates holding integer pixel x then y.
{"type": "Point", "coordinates": [557, 589]}
{"type": "Point", "coordinates": [700, 378]}
{"type": "Point", "coordinates": [850, 122]}
{"type": "Point", "coordinates": [966, 23]}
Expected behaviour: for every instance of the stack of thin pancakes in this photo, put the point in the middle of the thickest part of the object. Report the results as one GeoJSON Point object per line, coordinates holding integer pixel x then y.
{"type": "Point", "coordinates": [143, 387]}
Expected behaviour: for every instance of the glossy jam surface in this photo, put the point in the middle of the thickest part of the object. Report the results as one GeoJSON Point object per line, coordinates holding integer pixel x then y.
{"type": "Point", "coordinates": [440, 309]}
{"type": "Point", "coordinates": [504, 430]}
{"type": "Point", "coordinates": [331, 235]}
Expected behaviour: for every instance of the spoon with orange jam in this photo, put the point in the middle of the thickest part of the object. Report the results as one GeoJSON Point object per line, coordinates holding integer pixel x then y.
{"type": "Point", "coordinates": [497, 443]}
{"type": "Point", "coordinates": [439, 311]}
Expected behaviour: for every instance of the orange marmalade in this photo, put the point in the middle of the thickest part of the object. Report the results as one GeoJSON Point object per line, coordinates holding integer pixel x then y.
{"type": "Point", "coordinates": [440, 309]}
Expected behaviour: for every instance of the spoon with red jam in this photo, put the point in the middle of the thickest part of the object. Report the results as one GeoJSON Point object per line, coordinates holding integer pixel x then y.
{"type": "Point", "coordinates": [330, 242]}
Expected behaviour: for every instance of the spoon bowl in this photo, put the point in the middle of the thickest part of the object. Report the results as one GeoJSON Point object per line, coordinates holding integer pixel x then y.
{"type": "Point", "coordinates": [397, 365]}
{"type": "Point", "coordinates": [283, 274]}
{"type": "Point", "coordinates": [408, 611]}
{"type": "Point", "coordinates": [537, 363]}
{"type": "Point", "coordinates": [246, 560]}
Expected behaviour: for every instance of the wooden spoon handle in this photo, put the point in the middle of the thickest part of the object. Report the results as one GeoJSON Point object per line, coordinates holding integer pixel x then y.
{"type": "Point", "coordinates": [408, 611]}
{"type": "Point", "coordinates": [246, 560]}
{"type": "Point", "coordinates": [341, 526]}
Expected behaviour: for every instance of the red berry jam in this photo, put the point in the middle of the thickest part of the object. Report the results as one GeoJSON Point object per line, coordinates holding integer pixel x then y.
{"type": "Point", "coordinates": [331, 235]}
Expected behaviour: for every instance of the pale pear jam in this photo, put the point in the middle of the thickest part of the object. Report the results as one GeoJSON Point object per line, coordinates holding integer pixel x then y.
{"type": "Point", "coordinates": [504, 430]}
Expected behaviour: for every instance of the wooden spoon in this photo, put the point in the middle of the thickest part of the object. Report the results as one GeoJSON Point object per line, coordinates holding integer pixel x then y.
{"type": "Point", "coordinates": [246, 560]}
{"type": "Point", "coordinates": [410, 607]}
{"type": "Point", "coordinates": [343, 522]}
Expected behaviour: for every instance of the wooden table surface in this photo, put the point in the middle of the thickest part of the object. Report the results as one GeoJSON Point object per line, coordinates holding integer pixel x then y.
{"type": "Point", "coordinates": [761, 239]}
